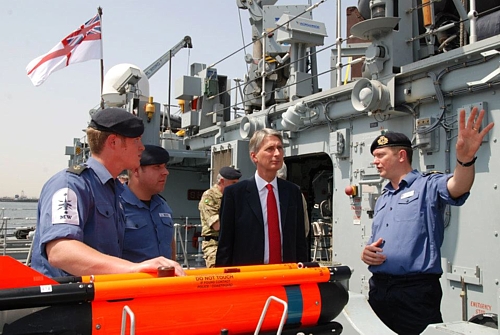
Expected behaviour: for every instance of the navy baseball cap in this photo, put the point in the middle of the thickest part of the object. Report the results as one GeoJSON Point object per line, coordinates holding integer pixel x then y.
{"type": "Point", "coordinates": [118, 121]}
{"type": "Point", "coordinates": [154, 154]}
{"type": "Point", "coordinates": [390, 139]}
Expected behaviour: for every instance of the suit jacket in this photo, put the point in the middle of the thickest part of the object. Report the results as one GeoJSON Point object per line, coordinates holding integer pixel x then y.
{"type": "Point", "coordinates": [241, 236]}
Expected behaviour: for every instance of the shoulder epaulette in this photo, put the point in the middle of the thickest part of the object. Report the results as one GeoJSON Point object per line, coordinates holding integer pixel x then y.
{"type": "Point", "coordinates": [431, 172]}
{"type": "Point", "coordinates": [77, 169]}
{"type": "Point", "coordinates": [161, 196]}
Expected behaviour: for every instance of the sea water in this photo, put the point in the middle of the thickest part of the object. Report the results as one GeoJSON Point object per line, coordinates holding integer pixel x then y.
{"type": "Point", "coordinates": [17, 214]}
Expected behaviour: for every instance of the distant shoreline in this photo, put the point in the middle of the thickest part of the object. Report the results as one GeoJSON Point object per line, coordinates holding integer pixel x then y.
{"type": "Point", "coordinates": [17, 200]}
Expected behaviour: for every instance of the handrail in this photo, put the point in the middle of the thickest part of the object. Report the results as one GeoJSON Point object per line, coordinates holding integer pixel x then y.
{"type": "Point", "coordinates": [264, 311]}
{"type": "Point", "coordinates": [127, 311]}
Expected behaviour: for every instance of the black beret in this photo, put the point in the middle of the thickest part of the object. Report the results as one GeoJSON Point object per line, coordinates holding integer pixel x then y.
{"type": "Point", "coordinates": [154, 154]}
{"type": "Point", "coordinates": [390, 139]}
{"type": "Point", "coordinates": [118, 121]}
{"type": "Point", "coordinates": [230, 173]}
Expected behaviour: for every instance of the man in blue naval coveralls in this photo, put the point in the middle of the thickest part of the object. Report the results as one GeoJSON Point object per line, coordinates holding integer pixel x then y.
{"type": "Point", "coordinates": [80, 222]}
{"type": "Point", "coordinates": [403, 252]}
{"type": "Point", "coordinates": [149, 228]}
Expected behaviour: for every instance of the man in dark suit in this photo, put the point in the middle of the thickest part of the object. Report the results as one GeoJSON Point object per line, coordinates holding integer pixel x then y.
{"type": "Point", "coordinates": [245, 238]}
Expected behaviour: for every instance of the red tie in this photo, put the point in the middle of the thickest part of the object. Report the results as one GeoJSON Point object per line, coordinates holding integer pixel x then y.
{"type": "Point", "coordinates": [273, 228]}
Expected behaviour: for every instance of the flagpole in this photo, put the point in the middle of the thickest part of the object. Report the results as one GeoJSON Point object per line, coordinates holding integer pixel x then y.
{"type": "Point", "coordinates": [99, 11]}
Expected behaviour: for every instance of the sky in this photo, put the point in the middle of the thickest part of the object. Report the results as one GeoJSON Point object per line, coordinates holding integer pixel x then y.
{"type": "Point", "coordinates": [37, 123]}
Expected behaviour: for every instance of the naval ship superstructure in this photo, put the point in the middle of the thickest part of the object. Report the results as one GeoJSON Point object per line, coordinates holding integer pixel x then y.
{"type": "Point", "coordinates": [409, 66]}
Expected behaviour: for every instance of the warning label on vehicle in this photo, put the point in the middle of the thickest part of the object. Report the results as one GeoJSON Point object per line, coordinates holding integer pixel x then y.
{"type": "Point", "coordinates": [214, 281]}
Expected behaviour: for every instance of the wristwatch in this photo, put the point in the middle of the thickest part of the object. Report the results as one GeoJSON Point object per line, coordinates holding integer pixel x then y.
{"type": "Point", "coordinates": [468, 163]}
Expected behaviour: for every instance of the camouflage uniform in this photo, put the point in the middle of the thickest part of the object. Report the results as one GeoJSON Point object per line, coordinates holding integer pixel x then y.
{"type": "Point", "coordinates": [209, 213]}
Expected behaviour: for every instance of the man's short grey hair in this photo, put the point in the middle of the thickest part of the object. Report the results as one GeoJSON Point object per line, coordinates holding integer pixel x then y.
{"type": "Point", "coordinates": [258, 137]}
{"type": "Point", "coordinates": [219, 177]}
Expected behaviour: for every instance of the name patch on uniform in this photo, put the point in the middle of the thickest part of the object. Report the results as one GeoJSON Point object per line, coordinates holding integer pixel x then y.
{"type": "Point", "coordinates": [407, 194]}
{"type": "Point", "coordinates": [165, 215]}
{"type": "Point", "coordinates": [65, 207]}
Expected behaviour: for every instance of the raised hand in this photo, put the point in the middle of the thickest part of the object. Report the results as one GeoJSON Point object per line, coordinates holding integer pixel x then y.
{"type": "Point", "coordinates": [470, 136]}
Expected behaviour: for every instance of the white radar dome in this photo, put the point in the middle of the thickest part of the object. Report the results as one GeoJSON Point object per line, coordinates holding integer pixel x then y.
{"type": "Point", "coordinates": [111, 80]}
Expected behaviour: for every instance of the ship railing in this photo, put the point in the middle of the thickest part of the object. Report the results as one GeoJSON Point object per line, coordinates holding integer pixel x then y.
{"type": "Point", "coordinates": [185, 234]}
{"type": "Point", "coordinates": [10, 243]}
{"type": "Point", "coordinates": [322, 240]}
{"type": "Point", "coordinates": [3, 233]}
{"type": "Point", "coordinates": [188, 242]}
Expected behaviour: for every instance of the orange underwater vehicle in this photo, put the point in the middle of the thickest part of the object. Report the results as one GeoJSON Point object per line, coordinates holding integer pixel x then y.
{"type": "Point", "coordinates": [233, 300]}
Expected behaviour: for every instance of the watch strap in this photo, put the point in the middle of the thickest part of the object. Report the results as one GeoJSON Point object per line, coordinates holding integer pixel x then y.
{"type": "Point", "coordinates": [468, 163]}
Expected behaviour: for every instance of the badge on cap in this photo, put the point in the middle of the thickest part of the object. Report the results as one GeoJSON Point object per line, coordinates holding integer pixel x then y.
{"type": "Point", "coordinates": [383, 140]}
